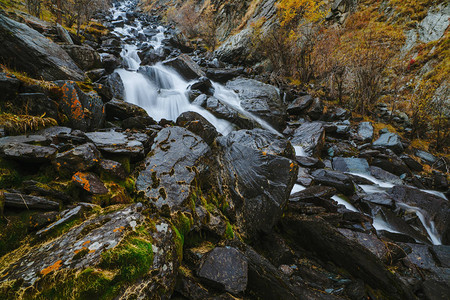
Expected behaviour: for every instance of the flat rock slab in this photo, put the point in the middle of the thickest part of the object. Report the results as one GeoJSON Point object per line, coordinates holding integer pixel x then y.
{"type": "Point", "coordinates": [172, 166]}
{"type": "Point", "coordinates": [185, 66]}
{"type": "Point", "coordinates": [389, 140]}
{"type": "Point", "coordinates": [338, 180]}
{"type": "Point", "coordinates": [80, 158]}
{"type": "Point", "coordinates": [227, 267]}
{"type": "Point", "coordinates": [27, 153]}
{"type": "Point", "coordinates": [123, 143]}
{"type": "Point", "coordinates": [17, 200]}
{"type": "Point", "coordinates": [351, 165]}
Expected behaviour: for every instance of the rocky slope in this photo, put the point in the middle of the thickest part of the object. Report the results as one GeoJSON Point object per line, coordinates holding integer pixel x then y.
{"type": "Point", "coordinates": [111, 204]}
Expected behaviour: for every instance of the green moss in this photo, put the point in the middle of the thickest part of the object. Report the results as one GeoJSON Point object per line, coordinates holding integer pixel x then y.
{"type": "Point", "coordinates": [229, 232]}
{"type": "Point", "coordinates": [130, 185]}
{"type": "Point", "coordinates": [132, 258]}
{"type": "Point", "coordinates": [13, 231]}
{"type": "Point", "coordinates": [9, 175]}
{"type": "Point", "coordinates": [179, 242]}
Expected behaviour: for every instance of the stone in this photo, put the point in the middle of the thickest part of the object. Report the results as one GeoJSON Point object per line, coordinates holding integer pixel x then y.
{"type": "Point", "coordinates": [120, 110]}
{"type": "Point", "coordinates": [365, 132]}
{"type": "Point", "coordinates": [197, 124]}
{"type": "Point", "coordinates": [223, 75]}
{"type": "Point", "coordinates": [222, 110]}
{"type": "Point", "coordinates": [27, 50]}
{"type": "Point", "coordinates": [342, 182]}
{"type": "Point", "coordinates": [64, 35]}
{"type": "Point", "coordinates": [90, 183]}
{"type": "Point", "coordinates": [110, 62]}
{"type": "Point", "coordinates": [390, 141]}
{"type": "Point", "coordinates": [315, 111]}
{"type": "Point", "coordinates": [84, 56]}
{"type": "Point", "coordinates": [258, 170]}
{"type": "Point", "coordinates": [139, 122]}
{"type": "Point", "coordinates": [383, 175]}
{"type": "Point", "coordinates": [411, 163]}
{"type": "Point", "coordinates": [27, 153]}
{"type": "Point", "coordinates": [300, 104]}
{"type": "Point", "coordinates": [37, 104]}
{"type": "Point", "coordinates": [425, 157]}
{"type": "Point", "coordinates": [172, 167]}
{"type": "Point", "coordinates": [80, 158]}
{"type": "Point", "coordinates": [9, 85]}
{"type": "Point", "coordinates": [312, 192]}
{"type": "Point", "coordinates": [434, 208]}
{"type": "Point", "coordinates": [433, 26]}
{"type": "Point", "coordinates": [95, 74]}
{"type": "Point", "coordinates": [20, 201]}
{"type": "Point", "coordinates": [379, 199]}
{"type": "Point", "coordinates": [227, 267]}
{"type": "Point", "coordinates": [184, 65]}
{"type": "Point", "coordinates": [84, 111]}
{"type": "Point", "coordinates": [309, 162]}
{"type": "Point", "coordinates": [351, 165]}
{"type": "Point", "coordinates": [122, 143]}
{"type": "Point", "coordinates": [113, 169]}
{"type": "Point", "coordinates": [262, 100]}
{"type": "Point", "coordinates": [391, 163]}
{"type": "Point", "coordinates": [236, 48]}
{"type": "Point", "coordinates": [303, 177]}
{"type": "Point", "coordinates": [203, 85]}
{"type": "Point", "coordinates": [310, 136]}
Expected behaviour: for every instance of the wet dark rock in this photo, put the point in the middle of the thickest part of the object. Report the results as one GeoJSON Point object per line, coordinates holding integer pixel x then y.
{"type": "Point", "coordinates": [40, 139]}
{"type": "Point", "coordinates": [223, 75]}
{"type": "Point", "coordinates": [113, 86]}
{"type": "Point", "coordinates": [221, 110]}
{"type": "Point", "coordinates": [338, 180]}
{"type": "Point", "coordinates": [197, 124]}
{"type": "Point", "coordinates": [121, 143]}
{"type": "Point", "coordinates": [120, 110]}
{"type": "Point", "coordinates": [37, 104]}
{"type": "Point", "coordinates": [63, 34]}
{"type": "Point", "coordinates": [411, 163]}
{"type": "Point", "coordinates": [27, 153]}
{"type": "Point", "coordinates": [84, 56]}
{"type": "Point", "coordinates": [139, 122]}
{"type": "Point", "coordinates": [173, 165]}
{"type": "Point", "coordinates": [84, 110]}
{"type": "Point", "coordinates": [20, 201]}
{"type": "Point", "coordinates": [389, 140]}
{"type": "Point", "coordinates": [260, 99]}
{"type": "Point", "coordinates": [335, 113]}
{"type": "Point", "coordinates": [310, 136]}
{"type": "Point", "coordinates": [203, 85]}
{"type": "Point", "coordinates": [351, 165]}
{"type": "Point", "coordinates": [41, 219]}
{"type": "Point", "coordinates": [257, 177]}
{"type": "Point", "coordinates": [309, 162]}
{"type": "Point", "coordinates": [379, 199]}
{"type": "Point", "coordinates": [303, 177]}
{"type": "Point", "coordinates": [90, 183]}
{"type": "Point", "coordinates": [440, 181]}
{"type": "Point", "coordinates": [227, 268]}
{"type": "Point", "coordinates": [383, 175]}
{"type": "Point", "coordinates": [310, 193]}
{"type": "Point", "coordinates": [39, 189]}
{"type": "Point", "coordinates": [435, 208]}
{"type": "Point", "coordinates": [200, 100]}
{"type": "Point", "coordinates": [119, 23]}
{"type": "Point", "coordinates": [9, 85]}
{"type": "Point", "coordinates": [314, 234]}
{"type": "Point", "coordinates": [365, 132]}
{"type": "Point", "coordinates": [26, 49]}
{"type": "Point", "coordinates": [80, 158]}
{"type": "Point", "coordinates": [315, 111]}
{"type": "Point", "coordinates": [299, 105]}
{"type": "Point", "coordinates": [434, 289]}
{"type": "Point", "coordinates": [391, 163]}
{"type": "Point", "coordinates": [184, 65]}
{"type": "Point", "coordinates": [442, 254]}
{"type": "Point", "coordinates": [110, 62]}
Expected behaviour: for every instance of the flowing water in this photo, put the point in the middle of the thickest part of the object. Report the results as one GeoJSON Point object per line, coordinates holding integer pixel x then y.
{"type": "Point", "coordinates": [161, 91]}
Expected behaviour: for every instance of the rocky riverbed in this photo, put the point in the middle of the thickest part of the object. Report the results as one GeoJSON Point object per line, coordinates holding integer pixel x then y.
{"type": "Point", "coordinates": [177, 176]}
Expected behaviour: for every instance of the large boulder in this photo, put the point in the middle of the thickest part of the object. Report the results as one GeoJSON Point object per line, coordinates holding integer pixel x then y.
{"type": "Point", "coordinates": [222, 110]}
{"type": "Point", "coordinates": [187, 68]}
{"type": "Point", "coordinates": [433, 208]}
{"type": "Point", "coordinates": [84, 56]}
{"type": "Point", "coordinates": [172, 167]}
{"type": "Point", "coordinates": [262, 100]}
{"type": "Point", "coordinates": [116, 253]}
{"type": "Point", "coordinates": [258, 172]}
{"type": "Point", "coordinates": [236, 48]}
{"type": "Point", "coordinates": [81, 158]}
{"type": "Point", "coordinates": [300, 104]}
{"type": "Point", "coordinates": [365, 132]}
{"type": "Point", "coordinates": [309, 136]}
{"type": "Point", "coordinates": [84, 110]}
{"type": "Point", "coordinates": [27, 50]}
{"type": "Point", "coordinates": [120, 110]}
{"type": "Point", "coordinates": [197, 124]}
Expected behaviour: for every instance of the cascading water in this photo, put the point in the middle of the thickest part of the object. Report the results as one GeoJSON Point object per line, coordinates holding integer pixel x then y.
{"type": "Point", "coordinates": [160, 90]}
